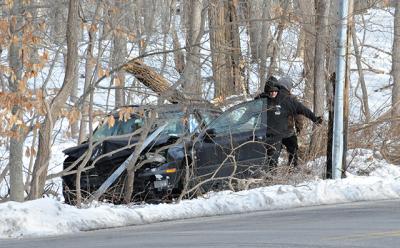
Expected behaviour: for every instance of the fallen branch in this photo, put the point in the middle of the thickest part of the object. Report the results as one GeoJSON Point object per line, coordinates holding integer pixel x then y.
{"type": "Point", "coordinates": [151, 79]}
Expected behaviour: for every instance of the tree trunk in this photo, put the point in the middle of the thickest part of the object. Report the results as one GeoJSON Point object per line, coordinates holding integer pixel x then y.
{"type": "Point", "coordinates": [166, 18]}
{"type": "Point", "coordinates": [253, 13]}
{"type": "Point", "coordinates": [396, 68]}
{"type": "Point", "coordinates": [265, 40]}
{"type": "Point", "coordinates": [217, 43]}
{"type": "Point", "coordinates": [74, 99]}
{"type": "Point", "coordinates": [319, 69]}
{"type": "Point", "coordinates": [225, 47]}
{"type": "Point", "coordinates": [89, 75]}
{"type": "Point", "coordinates": [191, 74]}
{"type": "Point", "coordinates": [233, 40]}
{"type": "Point", "coordinates": [74, 125]}
{"type": "Point", "coordinates": [16, 65]}
{"type": "Point", "coordinates": [364, 102]}
{"type": "Point", "coordinates": [57, 15]}
{"type": "Point", "coordinates": [332, 42]}
{"type": "Point", "coordinates": [179, 57]}
{"type": "Point", "coordinates": [320, 55]}
{"type": "Point", "coordinates": [42, 160]}
{"type": "Point", "coordinates": [119, 53]}
{"type": "Point", "coordinates": [308, 28]}
{"type": "Point", "coordinates": [276, 49]}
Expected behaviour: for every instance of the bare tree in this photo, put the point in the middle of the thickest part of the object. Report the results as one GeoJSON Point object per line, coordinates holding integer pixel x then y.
{"type": "Point", "coordinates": [279, 33]}
{"type": "Point", "coordinates": [265, 40]}
{"type": "Point", "coordinates": [253, 12]}
{"type": "Point", "coordinates": [396, 65]}
{"type": "Point", "coordinates": [307, 18]}
{"type": "Point", "coordinates": [321, 24]}
{"type": "Point", "coordinates": [361, 80]}
{"type": "Point", "coordinates": [225, 47]}
{"type": "Point", "coordinates": [90, 65]}
{"type": "Point", "coordinates": [179, 57]}
{"type": "Point", "coordinates": [57, 18]}
{"type": "Point", "coordinates": [16, 21]}
{"type": "Point", "coordinates": [194, 31]}
{"type": "Point", "coordinates": [320, 55]}
{"type": "Point", "coordinates": [53, 110]}
{"type": "Point", "coordinates": [119, 51]}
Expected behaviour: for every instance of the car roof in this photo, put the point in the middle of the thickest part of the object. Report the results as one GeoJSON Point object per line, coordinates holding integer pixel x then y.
{"type": "Point", "coordinates": [175, 107]}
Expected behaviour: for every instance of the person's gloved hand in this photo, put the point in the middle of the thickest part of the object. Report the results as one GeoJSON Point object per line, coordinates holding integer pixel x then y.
{"type": "Point", "coordinates": [318, 120]}
{"type": "Point", "coordinates": [262, 95]}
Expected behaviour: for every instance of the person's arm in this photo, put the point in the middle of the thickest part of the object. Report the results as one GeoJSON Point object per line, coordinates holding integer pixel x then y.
{"type": "Point", "coordinates": [261, 95]}
{"type": "Point", "coordinates": [298, 123]}
{"type": "Point", "coordinates": [300, 109]}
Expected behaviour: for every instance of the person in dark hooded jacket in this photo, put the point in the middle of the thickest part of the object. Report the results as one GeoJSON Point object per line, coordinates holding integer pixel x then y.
{"type": "Point", "coordinates": [295, 124]}
{"type": "Point", "coordinates": [278, 109]}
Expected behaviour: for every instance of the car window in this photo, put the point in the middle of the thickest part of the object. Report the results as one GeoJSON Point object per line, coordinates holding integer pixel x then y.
{"type": "Point", "coordinates": [209, 116]}
{"type": "Point", "coordinates": [175, 122]}
{"type": "Point", "coordinates": [193, 123]}
{"type": "Point", "coordinates": [242, 118]}
{"type": "Point", "coordinates": [120, 127]}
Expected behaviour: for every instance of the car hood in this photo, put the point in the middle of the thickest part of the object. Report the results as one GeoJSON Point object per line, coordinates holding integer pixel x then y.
{"type": "Point", "coordinates": [76, 150]}
{"type": "Point", "coordinates": [113, 144]}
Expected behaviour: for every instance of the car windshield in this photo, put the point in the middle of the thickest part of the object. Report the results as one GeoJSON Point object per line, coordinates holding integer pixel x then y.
{"type": "Point", "coordinates": [177, 123]}
{"type": "Point", "coordinates": [209, 116]}
{"type": "Point", "coordinates": [120, 127]}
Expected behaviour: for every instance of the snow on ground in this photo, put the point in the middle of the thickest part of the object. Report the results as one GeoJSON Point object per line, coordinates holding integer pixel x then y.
{"type": "Point", "coordinates": [46, 217]}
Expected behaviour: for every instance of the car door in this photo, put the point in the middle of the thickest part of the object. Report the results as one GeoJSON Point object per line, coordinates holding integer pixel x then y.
{"type": "Point", "coordinates": [233, 143]}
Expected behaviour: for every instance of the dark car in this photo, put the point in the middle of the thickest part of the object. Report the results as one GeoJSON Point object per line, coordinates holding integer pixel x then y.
{"type": "Point", "coordinates": [216, 151]}
{"type": "Point", "coordinates": [113, 144]}
{"type": "Point", "coordinates": [231, 147]}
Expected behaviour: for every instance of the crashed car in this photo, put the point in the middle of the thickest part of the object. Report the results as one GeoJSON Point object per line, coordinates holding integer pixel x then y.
{"type": "Point", "coordinates": [156, 175]}
{"type": "Point", "coordinates": [220, 147]}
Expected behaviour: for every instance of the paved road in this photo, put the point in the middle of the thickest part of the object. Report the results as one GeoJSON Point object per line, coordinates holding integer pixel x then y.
{"type": "Point", "coordinates": [364, 224]}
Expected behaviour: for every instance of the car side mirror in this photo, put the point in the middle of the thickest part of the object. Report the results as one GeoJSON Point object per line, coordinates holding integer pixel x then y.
{"type": "Point", "coordinates": [209, 135]}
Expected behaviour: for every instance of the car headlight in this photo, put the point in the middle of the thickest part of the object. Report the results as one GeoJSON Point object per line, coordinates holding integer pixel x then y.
{"type": "Point", "coordinates": [155, 157]}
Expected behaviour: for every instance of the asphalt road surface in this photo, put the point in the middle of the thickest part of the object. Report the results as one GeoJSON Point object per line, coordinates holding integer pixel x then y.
{"type": "Point", "coordinates": [363, 224]}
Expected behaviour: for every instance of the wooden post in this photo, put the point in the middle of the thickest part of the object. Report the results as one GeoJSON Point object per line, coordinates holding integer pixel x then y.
{"type": "Point", "coordinates": [331, 107]}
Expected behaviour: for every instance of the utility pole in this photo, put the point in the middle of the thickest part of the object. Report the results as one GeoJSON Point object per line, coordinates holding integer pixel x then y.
{"type": "Point", "coordinates": [338, 133]}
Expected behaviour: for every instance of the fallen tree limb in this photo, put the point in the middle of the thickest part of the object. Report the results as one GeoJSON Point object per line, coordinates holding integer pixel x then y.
{"type": "Point", "coordinates": [154, 81]}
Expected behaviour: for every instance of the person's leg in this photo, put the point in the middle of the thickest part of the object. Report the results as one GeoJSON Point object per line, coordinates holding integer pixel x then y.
{"type": "Point", "coordinates": [286, 143]}
{"type": "Point", "coordinates": [273, 152]}
{"type": "Point", "coordinates": [292, 148]}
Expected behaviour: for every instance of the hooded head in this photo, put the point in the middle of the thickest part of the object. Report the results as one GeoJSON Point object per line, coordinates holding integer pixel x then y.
{"type": "Point", "coordinates": [270, 88]}
{"type": "Point", "coordinates": [270, 84]}
{"type": "Point", "coordinates": [286, 82]}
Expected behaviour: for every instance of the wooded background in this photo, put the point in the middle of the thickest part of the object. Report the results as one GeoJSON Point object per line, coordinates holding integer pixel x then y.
{"type": "Point", "coordinates": [77, 59]}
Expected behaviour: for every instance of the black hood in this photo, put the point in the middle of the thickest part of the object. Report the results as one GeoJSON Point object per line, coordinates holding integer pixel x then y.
{"type": "Point", "coordinates": [106, 146]}
{"type": "Point", "coordinates": [76, 151]}
{"type": "Point", "coordinates": [113, 144]}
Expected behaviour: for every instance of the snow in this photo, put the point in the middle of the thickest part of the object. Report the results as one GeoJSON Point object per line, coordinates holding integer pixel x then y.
{"type": "Point", "coordinates": [48, 216]}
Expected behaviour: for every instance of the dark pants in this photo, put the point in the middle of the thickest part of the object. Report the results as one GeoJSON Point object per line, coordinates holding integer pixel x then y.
{"type": "Point", "coordinates": [273, 150]}
{"type": "Point", "coordinates": [292, 147]}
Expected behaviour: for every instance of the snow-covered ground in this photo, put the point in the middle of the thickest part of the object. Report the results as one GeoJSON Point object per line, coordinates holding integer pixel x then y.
{"type": "Point", "coordinates": [49, 216]}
